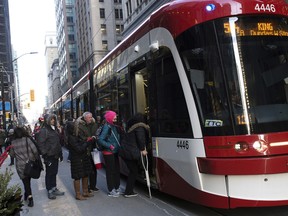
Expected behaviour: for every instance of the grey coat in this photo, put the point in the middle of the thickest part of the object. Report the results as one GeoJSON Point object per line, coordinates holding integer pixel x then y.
{"type": "Point", "coordinates": [19, 151]}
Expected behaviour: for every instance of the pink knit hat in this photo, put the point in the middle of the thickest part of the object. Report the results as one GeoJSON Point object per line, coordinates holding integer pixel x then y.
{"type": "Point", "coordinates": [109, 116]}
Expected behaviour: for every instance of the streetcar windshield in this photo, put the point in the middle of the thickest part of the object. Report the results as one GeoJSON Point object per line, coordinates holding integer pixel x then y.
{"type": "Point", "coordinates": [238, 71]}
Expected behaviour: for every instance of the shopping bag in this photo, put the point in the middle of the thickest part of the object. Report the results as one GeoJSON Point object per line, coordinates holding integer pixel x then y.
{"type": "Point", "coordinates": [97, 158]}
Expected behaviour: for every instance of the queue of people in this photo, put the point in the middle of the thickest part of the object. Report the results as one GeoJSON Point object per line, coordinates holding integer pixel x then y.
{"type": "Point", "coordinates": [80, 141]}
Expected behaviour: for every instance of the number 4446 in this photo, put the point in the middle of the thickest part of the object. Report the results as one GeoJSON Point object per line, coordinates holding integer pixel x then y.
{"type": "Point", "coordinates": [265, 7]}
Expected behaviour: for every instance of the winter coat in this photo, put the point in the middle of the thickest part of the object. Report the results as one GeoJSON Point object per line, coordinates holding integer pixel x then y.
{"type": "Point", "coordinates": [106, 138]}
{"type": "Point", "coordinates": [83, 130]}
{"type": "Point", "coordinates": [49, 140]}
{"type": "Point", "coordinates": [81, 165]}
{"type": "Point", "coordinates": [134, 141]}
{"type": "Point", "coordinates": [19, 151]}
{"type": "Point", "coordinates": [2, 137]}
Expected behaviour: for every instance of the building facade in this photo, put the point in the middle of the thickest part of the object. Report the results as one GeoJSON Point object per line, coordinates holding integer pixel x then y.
{"type": "Point", "coordinates": [6, 66]}
{"type": "Point", "coordinates": [51, 54]}
{"type": "Point", "coordinates": [66, 42]}
{"type": "Point", "coordinates": [136, 11]}
{"type": "Point", "coordinates": [99, 30]}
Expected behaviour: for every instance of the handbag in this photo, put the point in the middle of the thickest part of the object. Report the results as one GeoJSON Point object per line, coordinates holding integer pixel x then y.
{"type": "Point", "coordinates": [96, 155]}
{"type": "Point", "coordinates": [32, 168]}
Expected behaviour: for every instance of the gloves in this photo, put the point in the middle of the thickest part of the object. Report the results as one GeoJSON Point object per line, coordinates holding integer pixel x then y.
{"type": "Point", "coordinates": [111, 147]}
{"type": "Point", "coordinates": [90, 139]}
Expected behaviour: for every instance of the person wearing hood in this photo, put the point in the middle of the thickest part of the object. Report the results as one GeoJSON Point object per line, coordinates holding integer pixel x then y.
{"type": "Point", "coordinates": [85, 130]}
{"type": "Point", "coordinates": [137, 137]}
{"type": "Point", "coordinates": [109, 139]}
{"type": "Point", "coordinates": [50, 148]}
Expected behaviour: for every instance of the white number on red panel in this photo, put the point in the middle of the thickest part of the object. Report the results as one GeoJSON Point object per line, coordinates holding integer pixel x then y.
{"type": "Point", "coordinates": [265, 7]}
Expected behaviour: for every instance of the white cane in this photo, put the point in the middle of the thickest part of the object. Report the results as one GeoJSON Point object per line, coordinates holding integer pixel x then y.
{"type": "Point", "coordinates": [145, 166]}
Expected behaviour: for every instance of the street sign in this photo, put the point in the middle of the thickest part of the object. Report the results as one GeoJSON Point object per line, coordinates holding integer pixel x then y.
{"type": "Point", "coordinates": [7, 106]}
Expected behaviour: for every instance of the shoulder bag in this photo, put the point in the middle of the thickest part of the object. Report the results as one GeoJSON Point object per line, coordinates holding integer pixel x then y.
{"type": "Point", "coordinates": [32, 168]}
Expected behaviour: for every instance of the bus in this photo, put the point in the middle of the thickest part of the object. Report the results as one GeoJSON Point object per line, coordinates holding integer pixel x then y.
{"type": "Point", "coordinates": [211, 76]}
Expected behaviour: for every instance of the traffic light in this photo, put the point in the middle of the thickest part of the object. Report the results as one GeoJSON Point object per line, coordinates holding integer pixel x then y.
{"type": "Point", "coordinates": [32, 97]}
{"type": "Point", "coordinates": [28, 105]}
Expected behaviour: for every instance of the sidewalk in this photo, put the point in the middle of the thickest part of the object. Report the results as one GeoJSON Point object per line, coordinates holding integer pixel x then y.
{"type": "Point", "coordinates": [67, 205]}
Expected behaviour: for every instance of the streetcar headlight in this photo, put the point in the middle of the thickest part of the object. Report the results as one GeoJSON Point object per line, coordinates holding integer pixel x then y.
{"type": "Point", "coordinates": [241, 146]}
{"type": "Point", "coordinates": [260, 146]}
{"type": "Point", "coordinates": [210, 7]}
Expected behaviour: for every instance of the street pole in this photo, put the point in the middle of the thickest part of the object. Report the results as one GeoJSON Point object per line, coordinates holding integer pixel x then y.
{"type": "Point", "coordinates": [3, 87]}
{"type": "Point", "coordinates": [3, 97]}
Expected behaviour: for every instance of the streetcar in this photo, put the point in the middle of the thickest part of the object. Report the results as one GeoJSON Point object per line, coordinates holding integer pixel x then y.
{"type": "Point", "coordinates": [212, 78]}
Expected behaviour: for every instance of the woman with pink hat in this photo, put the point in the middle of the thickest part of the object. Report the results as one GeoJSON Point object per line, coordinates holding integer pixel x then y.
{"type": "Point", "coordinates": [109, 139]}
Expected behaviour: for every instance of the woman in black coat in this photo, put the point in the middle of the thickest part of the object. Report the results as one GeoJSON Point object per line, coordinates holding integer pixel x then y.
{"type": "Point", "coordinates": [80, 162]}
{"type": "Point", "coordinates": [137, 139]}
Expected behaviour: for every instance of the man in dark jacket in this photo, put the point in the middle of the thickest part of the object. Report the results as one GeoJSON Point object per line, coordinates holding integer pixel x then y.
{"type": "Point", "coordinates": [51, 151]}
{"type": "Point", "coordinates": [85, 130]}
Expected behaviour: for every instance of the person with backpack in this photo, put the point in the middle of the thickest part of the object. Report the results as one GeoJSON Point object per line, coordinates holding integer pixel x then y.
{"type": "Point", "coordinates": [85, 130]}
{"type": "Point", "coordinates": [48, 141]}
{"type": "Point", "coordinates": [133, 145]}
{"type": "Point", "coordinates": [109, 139]}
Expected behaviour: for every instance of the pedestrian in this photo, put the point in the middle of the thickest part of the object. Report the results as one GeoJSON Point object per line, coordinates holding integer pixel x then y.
{"type": "Point", "coordinates": [23, 150]}
{"type": "Point", "coordinates": [109, 139]}
{"type": "Point", "coordinates": [136, 139]}
{"type": "Point", "coordinates": [81, 166]}
{"type": "Point", "coordinates": [66, 133]}
{"type": "Point", "coordinates": [85, 130]}
{"type": "Point", "coordinates": [8, 141]}
{"type": "Point", "coordinates": [2, 139]}
{"type": "Point", "coordinates": [49, 145]}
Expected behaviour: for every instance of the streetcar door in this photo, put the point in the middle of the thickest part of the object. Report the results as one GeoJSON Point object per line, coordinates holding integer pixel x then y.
{"type": "Point", "coordinates": [139, 75]}
{"type": "Point", "coordinates": [139, 88]}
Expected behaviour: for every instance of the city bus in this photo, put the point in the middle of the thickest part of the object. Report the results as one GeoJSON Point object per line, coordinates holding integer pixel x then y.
{"type": "Point", "coordinates": [211, 77]}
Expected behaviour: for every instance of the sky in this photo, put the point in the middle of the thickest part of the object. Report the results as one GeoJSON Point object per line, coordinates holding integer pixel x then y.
{"type": "Point", "coordinates": [30, 20]}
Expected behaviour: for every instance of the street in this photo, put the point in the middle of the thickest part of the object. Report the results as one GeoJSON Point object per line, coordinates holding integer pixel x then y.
{"type": "Point", "coordinates": [161, 204]}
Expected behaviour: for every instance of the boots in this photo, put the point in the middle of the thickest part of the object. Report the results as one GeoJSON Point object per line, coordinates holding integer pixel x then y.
{"type": "Point", "coordinates": [86, 193]}
{"type": "Point", "coordinates": [30, 201]}
{"type": "Point", "coordinates": [77, 190]}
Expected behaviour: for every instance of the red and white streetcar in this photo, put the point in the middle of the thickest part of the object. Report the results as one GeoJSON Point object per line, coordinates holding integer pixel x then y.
{"type": "Point", "coordinates": [212, 78]}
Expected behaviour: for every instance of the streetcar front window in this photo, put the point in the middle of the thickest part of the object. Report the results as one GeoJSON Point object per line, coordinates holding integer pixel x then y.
{"type": "Point", "coordinates": [237, 69]}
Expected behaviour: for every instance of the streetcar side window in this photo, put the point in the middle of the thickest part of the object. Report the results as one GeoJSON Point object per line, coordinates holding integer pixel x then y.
{"type": "Point", "coordinates": [172, 113]}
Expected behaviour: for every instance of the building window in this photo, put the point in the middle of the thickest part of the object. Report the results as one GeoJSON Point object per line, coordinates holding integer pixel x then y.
{"type": "Point", "coordinates": [71, 37]}
{"type": "Point", "coordinates": [103, 28]}
{"type": "Point", "coordinates": [119, 29]}
{"type": "Point", "coordinates": [102, 13]}
{"type": "Point", "coordinates": [118, 14]}
{"type": "Point", "coordinates": [101, 0]}
{"type": "Point", "coordinates": [129, 7]}
{"type": "Point", "coordinates": [117, 1]}
{"type": "Point", "coordinates": [70, 19]}
{"type": "Point", "coordinates": [104, 45]}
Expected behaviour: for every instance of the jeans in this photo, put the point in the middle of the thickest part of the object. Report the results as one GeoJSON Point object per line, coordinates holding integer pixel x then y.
{"type": "Point", "coordinates": [51, 164]}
